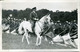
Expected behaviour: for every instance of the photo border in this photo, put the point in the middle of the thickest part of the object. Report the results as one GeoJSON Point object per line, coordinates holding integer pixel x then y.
{"type": "Point", "coordinates": [39, 49]}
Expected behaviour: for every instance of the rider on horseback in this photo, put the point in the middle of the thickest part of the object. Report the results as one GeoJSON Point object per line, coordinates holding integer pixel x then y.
{"type": "Point", "coordinates": [33, 17]}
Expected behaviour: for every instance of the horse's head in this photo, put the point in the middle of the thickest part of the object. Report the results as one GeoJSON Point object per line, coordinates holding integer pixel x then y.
{"type": "Point", "coordinates": [47, 19]}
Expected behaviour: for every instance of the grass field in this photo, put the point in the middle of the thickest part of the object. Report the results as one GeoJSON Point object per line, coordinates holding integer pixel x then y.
{"type": "Point", "coordinates": [10, 41]}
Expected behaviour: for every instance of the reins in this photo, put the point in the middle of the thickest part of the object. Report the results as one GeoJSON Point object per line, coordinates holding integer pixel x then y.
{"type": "Point", "coordinates": [39, 26]}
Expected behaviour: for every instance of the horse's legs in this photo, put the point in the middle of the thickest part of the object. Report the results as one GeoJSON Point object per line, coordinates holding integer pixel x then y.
{"type": "Point", "coordinates": [26, 34]}
{"type": "Point", "coordinates": [23, 38]}
{"type": "Point", "coordinates": [38, 40]}
{"type": "Point", "coordinates": [29, 35]}
{"type": "Point", "coordinates": [27, 40]}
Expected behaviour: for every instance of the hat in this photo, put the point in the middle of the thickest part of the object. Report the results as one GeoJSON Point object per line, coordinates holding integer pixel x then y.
{"type": "Point", "coordinates": [33, 8]}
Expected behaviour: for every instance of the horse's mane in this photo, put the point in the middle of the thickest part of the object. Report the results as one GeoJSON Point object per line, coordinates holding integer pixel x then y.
{"type": "Point", "coordinates": [43, 18]}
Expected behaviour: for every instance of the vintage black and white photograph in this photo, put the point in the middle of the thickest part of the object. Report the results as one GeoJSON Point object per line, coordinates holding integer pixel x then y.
{"type": "Point", "coordinates": [39, 25]}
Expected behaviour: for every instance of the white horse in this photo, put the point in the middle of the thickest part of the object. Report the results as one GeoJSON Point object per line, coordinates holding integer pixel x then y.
{"type": "Point", "coordinates": [39, 25]}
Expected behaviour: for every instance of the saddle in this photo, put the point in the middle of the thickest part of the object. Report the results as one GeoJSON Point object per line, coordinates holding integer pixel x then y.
{"type": "Point", "coordinates": [33, 25]}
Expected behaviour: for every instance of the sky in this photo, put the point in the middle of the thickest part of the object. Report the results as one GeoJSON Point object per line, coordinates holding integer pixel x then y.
{"type": "Point", "coordinates": [61, 6]}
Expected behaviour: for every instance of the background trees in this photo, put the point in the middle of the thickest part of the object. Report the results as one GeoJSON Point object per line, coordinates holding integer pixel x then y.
{"type": "Point", "coordinates": [58, 15]}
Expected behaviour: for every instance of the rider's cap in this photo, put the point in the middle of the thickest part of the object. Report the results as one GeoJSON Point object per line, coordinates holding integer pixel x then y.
{"type": "Point", "coordinates": [33, 8]}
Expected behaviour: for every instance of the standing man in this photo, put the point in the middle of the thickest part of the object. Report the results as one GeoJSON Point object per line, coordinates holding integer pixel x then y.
{"type": "Point", "coordinates": [73, 32]}
{"type": "Point", "coordinates": [10, 21]}
{"type": "Point", "coordinates": [9, 18]}
{"type": "Point", "coordinates": [33, 18]}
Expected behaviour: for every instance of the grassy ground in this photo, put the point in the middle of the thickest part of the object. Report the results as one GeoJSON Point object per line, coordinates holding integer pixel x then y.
{"type": "Point", "coordinates": [10, 41]}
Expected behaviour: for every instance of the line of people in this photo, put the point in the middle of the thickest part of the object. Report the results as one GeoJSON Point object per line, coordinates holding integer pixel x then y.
{"type": "Point", "coordinates": [61, 29]}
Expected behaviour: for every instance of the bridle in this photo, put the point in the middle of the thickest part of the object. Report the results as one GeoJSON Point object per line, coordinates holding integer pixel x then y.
{"type": "Point", "coordinates": [39, 24]}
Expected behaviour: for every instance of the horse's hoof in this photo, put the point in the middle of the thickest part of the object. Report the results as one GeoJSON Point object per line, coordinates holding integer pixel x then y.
{"type": "Point", "coordinates": [37, 45]}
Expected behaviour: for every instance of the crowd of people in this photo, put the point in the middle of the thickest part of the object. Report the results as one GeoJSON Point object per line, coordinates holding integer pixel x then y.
{"type": "Point", "coordinates": [57, 27]}
{"type": "Point", "coordinates": [12, 22]}
{"type": "Point", "coordinates": [61, 29]}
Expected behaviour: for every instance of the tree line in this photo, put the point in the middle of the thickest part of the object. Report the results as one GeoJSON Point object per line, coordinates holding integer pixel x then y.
{"type": "Point", "coordinates": [55, 16]}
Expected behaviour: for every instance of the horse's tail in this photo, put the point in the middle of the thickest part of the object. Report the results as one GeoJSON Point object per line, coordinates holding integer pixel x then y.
{"type": "Point", "coordinates": [20, 29]}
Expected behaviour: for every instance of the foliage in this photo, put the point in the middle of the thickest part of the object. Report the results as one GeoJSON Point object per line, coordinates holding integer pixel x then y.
{"type": "Point", "coordinates": [55, 16]}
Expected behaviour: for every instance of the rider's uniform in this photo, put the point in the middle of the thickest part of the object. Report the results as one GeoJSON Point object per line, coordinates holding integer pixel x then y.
{"type": "Point", "coordinates": [33, 17]}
